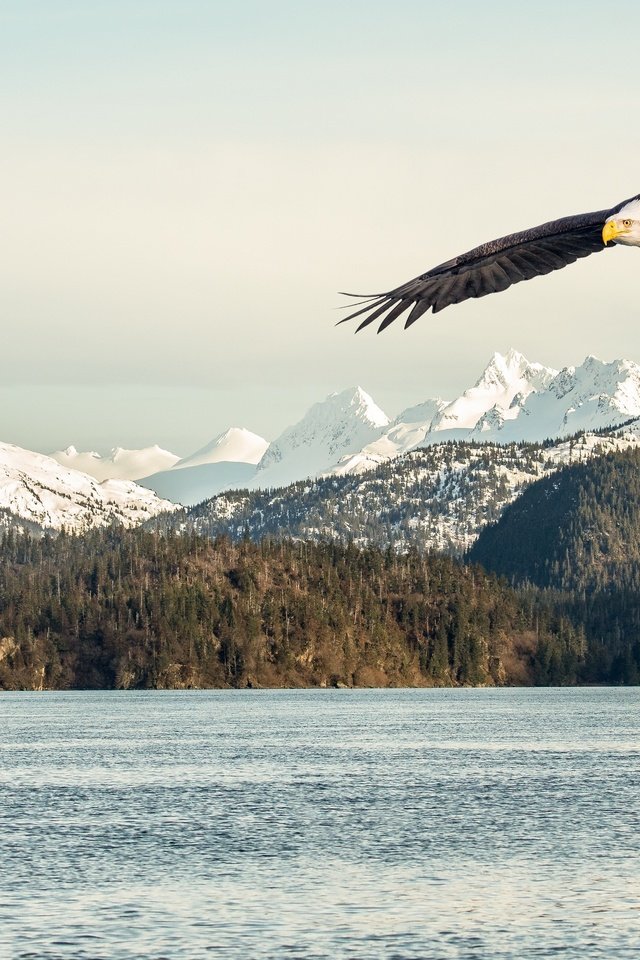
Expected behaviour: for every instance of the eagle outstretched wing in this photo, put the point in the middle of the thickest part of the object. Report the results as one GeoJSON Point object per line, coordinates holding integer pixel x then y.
{"type": "Point", "coordinates": [489, 268]}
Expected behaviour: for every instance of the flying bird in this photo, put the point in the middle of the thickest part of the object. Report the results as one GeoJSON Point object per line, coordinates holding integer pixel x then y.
{"type": "Point", "coordinates": [496, 265]}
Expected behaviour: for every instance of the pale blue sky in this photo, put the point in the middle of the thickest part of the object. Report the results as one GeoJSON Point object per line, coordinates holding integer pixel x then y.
{"type": "Point", "coordinates": [187, 185]}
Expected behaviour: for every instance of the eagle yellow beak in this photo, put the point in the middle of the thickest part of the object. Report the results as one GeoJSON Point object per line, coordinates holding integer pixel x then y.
{"type": "Point", "coordinates": [610, 231]}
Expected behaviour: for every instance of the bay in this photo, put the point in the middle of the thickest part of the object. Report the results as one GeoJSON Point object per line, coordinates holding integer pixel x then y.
{"type": "Point", "coordinates": [320, 824]}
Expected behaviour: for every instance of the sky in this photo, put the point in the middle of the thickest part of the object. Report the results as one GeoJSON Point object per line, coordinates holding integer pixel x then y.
{"type": "Point", "coordinates": [188, 185]}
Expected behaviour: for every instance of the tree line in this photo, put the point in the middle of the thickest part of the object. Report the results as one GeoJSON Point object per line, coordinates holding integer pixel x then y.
{"type": "Point", "coordinates": [575, 537]}
{"type": "Point", "coordinates": [144, 609]}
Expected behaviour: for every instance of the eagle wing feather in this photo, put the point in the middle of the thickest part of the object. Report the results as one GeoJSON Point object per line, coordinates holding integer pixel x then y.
{"type": "Point", "coordinates": [489, 268]}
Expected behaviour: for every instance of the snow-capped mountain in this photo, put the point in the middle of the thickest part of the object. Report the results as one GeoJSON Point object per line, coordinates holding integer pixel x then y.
{"type": "Point", "coordinates": [119, 464]}
{"type": "Point", "coordinates": [408, 430]}
{"type": "Point", "coordinates": [235, 445]}
{"type": "Point", "coordinates": [38, 489]}
{"type": "Point", "coordinates": [515, 400]}
{"type": "Point", "coordinates": [498, 396]}
{"type": "Point", "coordinates": [342, 424]}
{"type": "Point", "coordinates": [227, 462]}
{"type": "Point", "coordinates": [589, 397]}
{"type": "Point", "coordinates": [503, 387]}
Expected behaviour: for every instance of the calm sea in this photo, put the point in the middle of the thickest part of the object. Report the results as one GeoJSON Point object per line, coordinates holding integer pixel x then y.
{"type": "Point", "coordinates": [320, 824]}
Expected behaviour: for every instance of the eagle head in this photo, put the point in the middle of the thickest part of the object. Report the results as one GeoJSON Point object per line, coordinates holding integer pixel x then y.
{"type": "Point", "coordinates": [624, 226]}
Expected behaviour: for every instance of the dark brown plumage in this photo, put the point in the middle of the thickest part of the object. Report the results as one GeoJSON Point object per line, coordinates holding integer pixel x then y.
{"type": "Point", "coordinates": [489, 268]}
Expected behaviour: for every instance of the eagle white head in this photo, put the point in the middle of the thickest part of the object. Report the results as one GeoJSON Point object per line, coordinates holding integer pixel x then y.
{"type": "Point", "coordinates": [624, 226]}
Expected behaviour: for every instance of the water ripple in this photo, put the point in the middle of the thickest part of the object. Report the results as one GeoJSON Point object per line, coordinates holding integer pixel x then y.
{"type": "Point", "coordinates": [320, 824]}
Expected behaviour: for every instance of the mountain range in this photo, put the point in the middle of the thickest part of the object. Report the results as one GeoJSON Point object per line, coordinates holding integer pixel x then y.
{"type": "Point", "coordinates": [514, 401]}
{"type": "Point", "coordinates": [37, 489]}
{"type": "Point", "coordinates": [118, 464]}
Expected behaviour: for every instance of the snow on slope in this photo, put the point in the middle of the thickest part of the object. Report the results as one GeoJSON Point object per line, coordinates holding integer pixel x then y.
{"type": "Point", "coordinates": [235, 445]}
{"type": "Point", "coordinates": [514, 400]}
{"type": "Point", "coordinates": [472, 485]}
{"type": "Point", "coordinates": [119, 464]}
{"type": "Point", "coordinates": [407, 431]}
{"type": "Point", "coordinates": [342, 424]}
{"type": "Point", "coordinates": [498, 396]}
{"type": "Point", "coordinates": [39, 489]}
{"type": "Point", "coordinates": [228, 462]}
{"type": "Point", "coordinates": [589, 397]}
{"type": "Point", "coordinates": [191, 485]}
{"type": "Point", "coordinates": [505, 384]}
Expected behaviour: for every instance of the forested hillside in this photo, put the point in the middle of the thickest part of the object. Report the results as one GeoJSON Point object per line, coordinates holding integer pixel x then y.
{"type": "Point", "coordinates": [145, 608]}
{"type": "Point", "coordinates": [433, 499]}
{"type": "Point", "coordinates": [438, 498]}
{"type": "Point", "coordinates": [136, 609]}
{"type": "Point", "coordinates": [578, 532]}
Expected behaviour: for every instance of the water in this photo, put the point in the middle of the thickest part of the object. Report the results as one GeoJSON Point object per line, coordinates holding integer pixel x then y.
{"type": "Point", "coordinates": [320, 824]}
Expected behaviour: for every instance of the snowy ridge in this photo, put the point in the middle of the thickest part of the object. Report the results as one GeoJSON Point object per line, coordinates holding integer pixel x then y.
{"type": "Point", "coordinates": [342, 424]}
{"type": "Point", "coordinates": [235, 445]}
{"type": "Point", "coordinates": [119, 464]}
{"type": "Point", "coordinates": [589, 397]}
{"type": "Point", "coordinates": [513, 401]}
{"type": "Point", "coordinates": [227, 462]}
{"type": "Point", "coordinates": [408, 430]}
{"type": "Point", "coordinates": [38, 489]}
{"type": "Point", "coordinates": [504, 386]}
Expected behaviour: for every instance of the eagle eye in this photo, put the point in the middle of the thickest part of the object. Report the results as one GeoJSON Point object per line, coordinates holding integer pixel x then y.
{"type": "Point", "coordinates": [627, 223]}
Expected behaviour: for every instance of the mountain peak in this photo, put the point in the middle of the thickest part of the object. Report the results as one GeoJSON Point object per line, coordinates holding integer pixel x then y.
{"type": "Point", "coordinates": [513, 354]}
{"type": "Point", "coordinates": [594, 395]}
{"type": "Point", "coordinates": [233, 445]}
{"type": "Point", "coordinates": [357, 402]}
{"type": "Point", "coordinates": [343, 423]}
{"type": "Point", "coordinates": [514, 400]}
{"type": "Point", "coordinates": [504, 368]}
{"type": "Point", "coordinates": [512, 358]}
{"type": "Point", "coordinates": [504, 377]}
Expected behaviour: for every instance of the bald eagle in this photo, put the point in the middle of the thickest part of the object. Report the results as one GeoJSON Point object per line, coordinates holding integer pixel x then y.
{"type": "Point", "coordinates": [496, 265]}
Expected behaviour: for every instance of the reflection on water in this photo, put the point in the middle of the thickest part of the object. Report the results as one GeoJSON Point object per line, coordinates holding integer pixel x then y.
{"type": "Point", "coordinates": [320, 824]}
